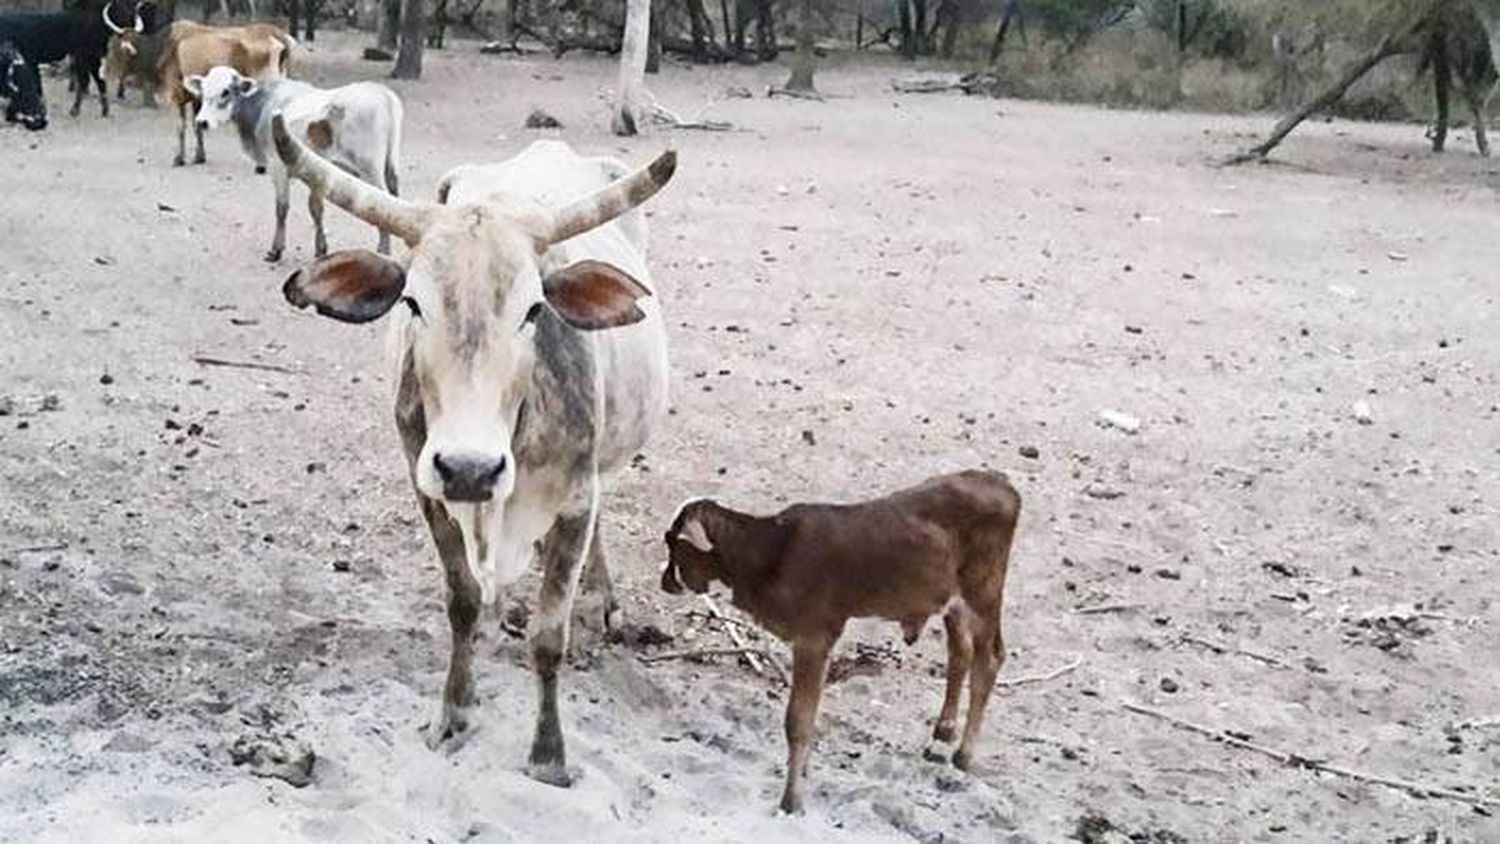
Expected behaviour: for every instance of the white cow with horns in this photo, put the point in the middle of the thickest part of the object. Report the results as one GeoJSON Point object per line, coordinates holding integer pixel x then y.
{"type": "Point", "coordinates": [531, 363]}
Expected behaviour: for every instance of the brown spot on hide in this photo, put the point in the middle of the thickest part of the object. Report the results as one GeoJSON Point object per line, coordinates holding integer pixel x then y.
{"type": "Point", "coordinates": [319, 135]}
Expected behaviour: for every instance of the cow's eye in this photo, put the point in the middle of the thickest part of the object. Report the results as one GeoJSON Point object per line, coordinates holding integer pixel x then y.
{"type": "Point", "coordinates": [416, 310]}
{"type": "Point", "coordinates": [531, 313]}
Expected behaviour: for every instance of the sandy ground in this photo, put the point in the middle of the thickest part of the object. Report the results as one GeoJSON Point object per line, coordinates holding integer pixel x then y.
{"type": "Point", "coordinates": [860, 293]}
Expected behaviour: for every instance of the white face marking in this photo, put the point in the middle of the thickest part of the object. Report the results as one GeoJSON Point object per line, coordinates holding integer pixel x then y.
{"type": "Point", "coordinates": [694, 535]}
{"type": "Point", "coordinates": [217, 92]}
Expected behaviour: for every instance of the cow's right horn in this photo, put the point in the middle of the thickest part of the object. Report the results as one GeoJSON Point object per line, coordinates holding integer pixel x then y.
{"type": "Point", "coordinates": [118, 30]}
{"type": "Point", "coordinates": [609, 202]}
{"type": "Point", "coordinates": [402, 218]}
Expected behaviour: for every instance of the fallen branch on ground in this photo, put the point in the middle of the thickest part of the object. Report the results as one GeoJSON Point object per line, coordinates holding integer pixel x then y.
{"type": "Point", "coordinates": [1042, 678]}
{"type": "Point", "coordinates": [1298, 761]}
{"type": "Point", "coordinates": [206, 360]}
{"type": "Point", "coordinates": [669, 655]}
{"type": "Point", "coordinates": [60, 545]}
{"type": "Point", "coordinates": [1104, 608]}
{"type": "Point", "coordinates": [1226, 649]}
{"type": "Point", "coordinates": [752, 655]}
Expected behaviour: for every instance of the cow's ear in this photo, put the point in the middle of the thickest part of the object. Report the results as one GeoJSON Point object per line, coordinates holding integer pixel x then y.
{"type": "Point", "coordinates": [247, 87]}
{"type": "Point", "coordinates": [194, 84]}
{"type": "Point", "coordinates": [591, 295]}
{"type": "Point", "coordinates": [354, 285]}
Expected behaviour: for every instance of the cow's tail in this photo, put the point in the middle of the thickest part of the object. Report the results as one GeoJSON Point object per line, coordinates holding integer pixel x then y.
{"type": "Point", "coordinates": [393, 144]}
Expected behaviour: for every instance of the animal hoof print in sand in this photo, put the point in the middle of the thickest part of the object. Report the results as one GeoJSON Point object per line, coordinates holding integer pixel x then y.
{"type": "Point", "coordinates": [552, 773]}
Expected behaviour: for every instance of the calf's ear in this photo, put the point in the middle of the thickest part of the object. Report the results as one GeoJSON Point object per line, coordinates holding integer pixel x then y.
{"type": "Point", "coordinates": [354, 285]}
{"type": "Point", "coordinates": [194, 85]}
{"type": "Point", "coordinates": [591, 295]}
{"type": "Point", "coordinates": [247, 87]}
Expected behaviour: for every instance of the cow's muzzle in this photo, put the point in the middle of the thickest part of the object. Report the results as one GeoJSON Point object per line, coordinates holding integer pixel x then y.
{"type": "Point", "coordinates": [468, 477]}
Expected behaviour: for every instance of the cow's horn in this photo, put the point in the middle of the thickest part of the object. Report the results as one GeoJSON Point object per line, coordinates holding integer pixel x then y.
{"type": "Point", "coordinates": [604, 205]}
{"type": "Point", "coordinates": [402, 218]}
{"type": "Point", "coordinates": [140, 25]}
{"type": "Point", "coordinates": [118, 30]}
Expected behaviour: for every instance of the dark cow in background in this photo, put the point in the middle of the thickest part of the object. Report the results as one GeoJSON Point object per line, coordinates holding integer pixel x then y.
{"type": "Point", "coordinates": [133, 56]}
{"type": "Point", "coordinates": [21, 88]}
{"type": "Point", "coordinates": [45, 37]}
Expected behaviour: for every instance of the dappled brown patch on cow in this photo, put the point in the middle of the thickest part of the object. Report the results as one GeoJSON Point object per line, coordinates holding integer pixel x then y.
{"type": "Point", "coordinates": [319, 135]}
{"type": "Point", "coordinates": [592, 295]}
{"type": "Point", "coordinates": [354, 285]}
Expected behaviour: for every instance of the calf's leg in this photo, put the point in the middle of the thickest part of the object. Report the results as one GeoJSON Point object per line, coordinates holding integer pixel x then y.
{"type": "Point", "coordinates": [989, 655]}
{"type": "Point", "coordinates": [315, 209]}
{"type": "Point", "coordinates": [283, 182]}
{"type": "Point", "coordinates": [80, 86]}
{"type": "Point", "coordinates": [809, 667]}
{"type": "Point", "coordinates": [960, 656]}
{"type": "Point", "coordinates": [463, 613]}
{"type": "Point", "coordinates": [1476, 105]}
{"type": "Point", "coordinates": [103, 89]}
{"type": "Point", "coordinates": [596, 580]}
{"type": "Point", "coordinates": [563, 553]}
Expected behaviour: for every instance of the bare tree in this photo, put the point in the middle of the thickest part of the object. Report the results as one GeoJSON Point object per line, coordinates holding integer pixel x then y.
{"type": "Point", "coordinates": [390, 25]}
{"type": "Point", "coordinates": [801, 80]}
{"type": "Point", "coordinates": [633, 51]}
{"type": "Point", "coordinates": [413, 30]}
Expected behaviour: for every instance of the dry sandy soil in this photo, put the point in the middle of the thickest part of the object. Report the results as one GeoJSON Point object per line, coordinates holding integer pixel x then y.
{"type": "Point", "coordinates": [861, 293]}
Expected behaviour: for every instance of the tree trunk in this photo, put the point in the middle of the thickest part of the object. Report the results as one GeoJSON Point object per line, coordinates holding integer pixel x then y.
{"type": "Point", "coordinates": [729, 28]}
{"type": "Point", "coordinates": [903, 22]}
{"type": "Point", "coordinates": [765, 31]}
{"type": "Point", "coordinates": [999, 43]}
{"type": "Point", "coordinates": [801, 80]}
{"type": "Point", "coordinates": [1179, 54]}
{"type": "Point", "coordinates": [413, 28]}
{"type": "Point", "coordinates": [294, 15]}
{"type": "Point", "coordinates": [390, 24]}
{"type": "Point", "coordinates": [310, 21]}
{"type": "Point", "coordinates": [919, 26]}
{"type": "Point", "coordinates": [653, 40]}
{"type": "Point", "coordinates": [1389, 46]}
{"type": "Point", "coordinates": [953, 15]}
{"type": "Point", "coordinates": [633, 50]}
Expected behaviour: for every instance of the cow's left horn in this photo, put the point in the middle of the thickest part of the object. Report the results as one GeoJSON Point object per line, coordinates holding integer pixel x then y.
{"type": "Point", "coordinates": [604, 205]}
{"type": "Point", "coordinates": [118, 30]}
{"type": "Point", "coordinates": [402, 218]}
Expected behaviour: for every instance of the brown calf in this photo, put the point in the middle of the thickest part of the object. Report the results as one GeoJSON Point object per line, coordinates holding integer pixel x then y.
{"type": "Point", "coordinates": [258, 51]}
{"type": "Point", "coordinates": [939, 547]}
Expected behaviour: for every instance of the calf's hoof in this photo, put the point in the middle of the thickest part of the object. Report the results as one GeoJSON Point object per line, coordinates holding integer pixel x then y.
{"type": "Point", "coordinates": [273, 256]}
{"type": "Point", "coordinates": [260, 169]}
{"type": "Point", "coordinates": [791, 803]}
{"type": "Point", "coordinates": [200, 158]}
{"type": "Point", "coordinates": [962, 760]}
{"type": "Point", "coordinates": [73, 112]}
{"type": "Point", "coordinates": [944, 732]}
{"type": "Point", "coordinates": [178, 161]}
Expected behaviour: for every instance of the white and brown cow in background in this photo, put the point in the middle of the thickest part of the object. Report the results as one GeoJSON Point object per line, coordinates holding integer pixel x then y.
{"type": "Point", "coordinates": [531, 363]}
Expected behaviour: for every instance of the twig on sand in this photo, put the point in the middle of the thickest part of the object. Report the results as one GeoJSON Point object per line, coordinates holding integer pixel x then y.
{"type": "Point", "coordinates": [1098, 609]}
{"type": "Point", "coordinates": [799, 95]}
{"type": "Point", "coordinates": [59, 545]}
{"type": "Point", "coordinates": [206, 360]}
{"type": "Point", "coordinates": [752, 655]}
{"type": "Point", "coordinates": [1226, 649]}
{"type": "Point", "coordinates": [669, 655]}
{"type": "Point", "coordinates": [1295, 760]}
{"type": "Point", "coordinates": [1042, 678]}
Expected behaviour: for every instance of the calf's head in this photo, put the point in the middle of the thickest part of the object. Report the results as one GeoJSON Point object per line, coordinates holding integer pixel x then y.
{"type": "Point", "coordinates": [218, 92]}
{"type": "Point", "coordinates": [693, 561]}
{"type": "Point", "coordinates": [472, 300]}
{"type": "Point", "coordinates": [22, 86]}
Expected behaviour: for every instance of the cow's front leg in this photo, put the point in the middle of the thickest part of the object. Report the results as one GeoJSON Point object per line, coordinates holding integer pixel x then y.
{"type": "Point", "coordinates": [283, 181]}
{"type": "Point", "coordinates": [182, 121]}
{"type": "Point", "coordinates": [315, 210]}
{"type": "Point", "coordinates": [563, 552]}
{"type": "Point", "coordinates": [199, 158]}
{"type": "Point", "coordinates": [463, 613]}
{"type": "Point", "coordinates": [103, 91]}
{"type": "Point", "coordinates": [80, 86]}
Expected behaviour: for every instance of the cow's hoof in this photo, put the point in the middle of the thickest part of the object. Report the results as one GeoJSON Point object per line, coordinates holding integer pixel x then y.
{"type": "Point", "coordinates": [273, 256]}
{"type": "Point", "coordinates": [260, 169]}
{"type": "Point", "coordinates": [200, 158]}
{"type": "Point", "coordinates": [72, 112]}
{"type": "Point", "coordinates": [791, 804]}
{"type": "Point", "coordinates": [178, 161]}
{"type": "Point", "coordinates": [962, 760]}
{"type": "Point", "coordinates": [552, 773]}
{"type": "Point", "coordinates": [450, 730]}
{"type": "Point", "coordinates": [944, 732]}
